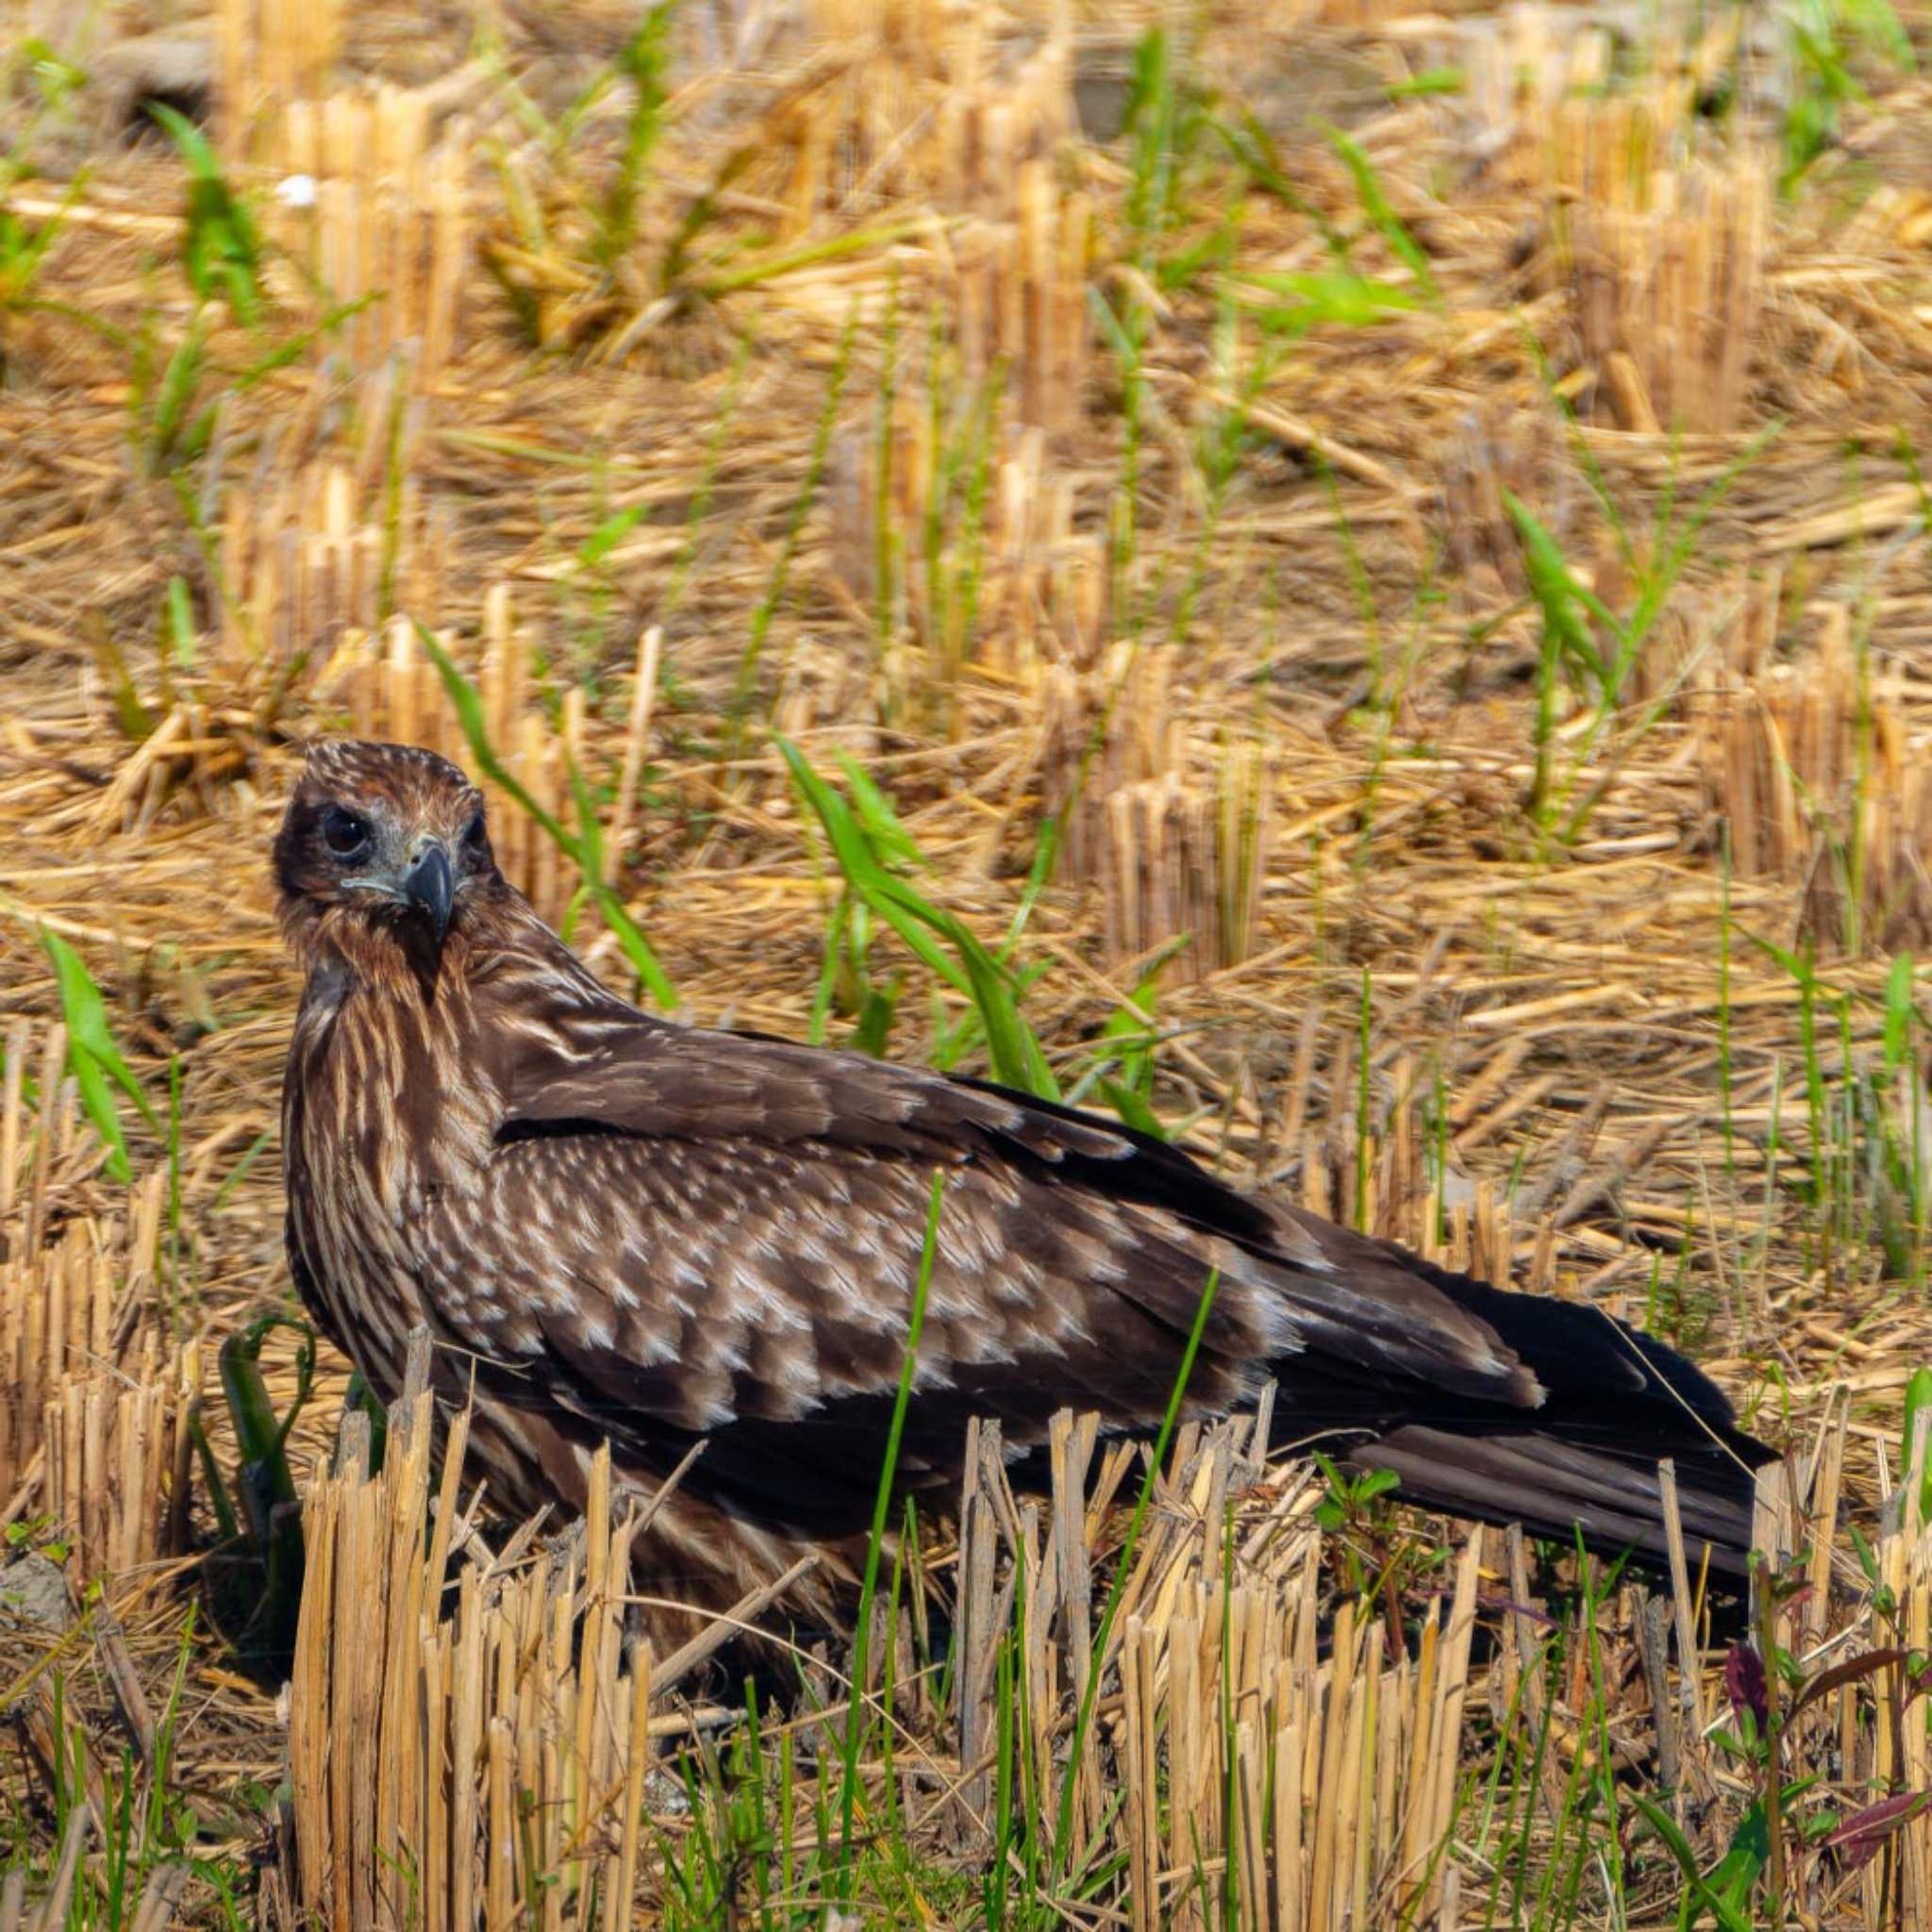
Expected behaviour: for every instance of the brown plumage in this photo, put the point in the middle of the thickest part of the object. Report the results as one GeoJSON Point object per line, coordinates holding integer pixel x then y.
{"type": "Point", "coordinates": [621, 1228]}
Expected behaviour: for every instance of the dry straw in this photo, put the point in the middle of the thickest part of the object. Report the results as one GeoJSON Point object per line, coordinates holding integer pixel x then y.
{"type": "Point", "coordinates": [1172, 830]}
{"type": "Point", "coordinates": [1032, 589]}
{"type": "Point", "coordinates": [508, 1733]}
{"type": "Point", "coordinates": [373, 197]}
{"type": "Point", "coordinates": [462, 1748]}
{"type": "Point", "coordinates": [311, 562]}
{"type": "Point", "coordinates": [493, 1694]}
{"type": "Point", "coordinates": [388, 227]}
{"type": "Point", "coordinates": [1308, 1781]}
{"type": "Point", "coordinates": [1663, 257]}
{"type": "Point", "coordinates": [910, 100]}
{"type": "Point", "coordinates": [93, 1428]}
{"type": "Point", "coordinates": [95, 1420]}
{"type": "Point", "coordinates": [270, 54]}
{"type": "Point", "coordinates": [1819, 778]}
{"type": "Point", "coordinates": [1262, 1752]}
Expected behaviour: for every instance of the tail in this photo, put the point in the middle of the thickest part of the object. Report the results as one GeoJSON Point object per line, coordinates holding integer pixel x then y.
{"type": "Point", "coordinates": [1616, 1403]}
{"type": "Point", "coordinates": [1559, 1488]}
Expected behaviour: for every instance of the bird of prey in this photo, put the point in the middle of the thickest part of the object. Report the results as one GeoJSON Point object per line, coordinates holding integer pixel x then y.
{"type": "Point", "coordinates": [618, 1228]}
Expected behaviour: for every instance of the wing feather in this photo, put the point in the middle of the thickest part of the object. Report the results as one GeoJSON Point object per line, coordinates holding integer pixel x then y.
{"type": "Point", "coordinates": [730, 1229]}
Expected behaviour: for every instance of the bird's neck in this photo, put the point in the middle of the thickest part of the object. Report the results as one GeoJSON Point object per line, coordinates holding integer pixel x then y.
{"type": "Point", "coordinates": [380, 953]}
{"type": "Point", "coordinates": [373, 1017]}
{"type": "Point", "coordinates": [342, 949]}
{"type": "Point", "coordinates": [404, 1075]}
{"type": "Point", "coordinates": [519, 972]}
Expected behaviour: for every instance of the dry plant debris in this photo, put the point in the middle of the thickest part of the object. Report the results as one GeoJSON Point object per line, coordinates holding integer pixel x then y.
{"type": "Point", "coordinates": [1376, 561]}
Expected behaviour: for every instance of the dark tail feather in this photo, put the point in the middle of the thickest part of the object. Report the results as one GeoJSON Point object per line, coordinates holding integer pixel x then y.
{"type": "Point", "coordinates": [1556, 1488]}
{"type": "Point", "coordinates": [1615, 1401]}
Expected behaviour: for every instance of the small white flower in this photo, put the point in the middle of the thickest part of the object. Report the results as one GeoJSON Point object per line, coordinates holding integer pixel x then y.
{"type": "Point", "coordinates": [296, 191]}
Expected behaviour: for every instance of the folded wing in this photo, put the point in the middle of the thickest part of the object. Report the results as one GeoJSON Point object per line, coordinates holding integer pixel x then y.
{"type": "Point", "coordinates": [717, 1235]}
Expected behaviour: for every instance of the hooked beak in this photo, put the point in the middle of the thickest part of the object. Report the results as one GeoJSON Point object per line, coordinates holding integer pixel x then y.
{"type": "Point", "coordinates": [430, 886]}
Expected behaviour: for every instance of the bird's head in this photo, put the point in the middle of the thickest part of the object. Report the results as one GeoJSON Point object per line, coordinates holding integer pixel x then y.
{"type": "Point", "coordinates": [382, 849]}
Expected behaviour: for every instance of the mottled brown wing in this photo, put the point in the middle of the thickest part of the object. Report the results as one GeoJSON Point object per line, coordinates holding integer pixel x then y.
{"type": "Point", "coordinates": [721, 1178]}
{"type": "Point", "coordinates": [693, 1285]}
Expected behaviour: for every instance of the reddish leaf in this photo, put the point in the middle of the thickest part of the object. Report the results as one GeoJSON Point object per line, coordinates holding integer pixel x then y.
{"type": "Point", "coordinates": [1745, 1686]}
{"type": "Point", "coordinates": [1485, 1601]}
{"type": "Point", "coordinates": [1863, 1832]}
{"type": "Point", "coordinates": [1865, 1665]}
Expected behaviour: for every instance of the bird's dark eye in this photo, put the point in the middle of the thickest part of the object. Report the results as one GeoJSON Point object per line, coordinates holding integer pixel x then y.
{"type": "Point", "coordinates": [473, 832]}
{"type": "Point", "coordinates": [345, 833]}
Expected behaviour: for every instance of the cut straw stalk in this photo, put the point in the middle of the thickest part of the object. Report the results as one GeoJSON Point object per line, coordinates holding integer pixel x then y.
{"type": "Point", "coordinates": [269, 54]}
{"type": "Point", "coordinates": [1173, 855]}
{"type": "Point", "coordinates": [1663, 258]}
{"type": "Point", "coordinates": [92, 1422]}
{"type": "Point", "coordinates": [465, 1804]}
{"type": "Point", "coordinates": [1821, 781]}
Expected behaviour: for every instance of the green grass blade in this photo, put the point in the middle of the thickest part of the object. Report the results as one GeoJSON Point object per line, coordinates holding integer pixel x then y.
{"type": "Point", "coordinates": [93, 1056]}
{"type": "Point", "coordinates": [218, 242]}
{"type": "Point", "coordinates": [1898, 1011]}
{"type": "Point", "coordinates": [809, 254]}
{"type": "Point", "coordinates": [915, 1323]}
{"type": "Point", "coordinates": [608, 535]}
{"type": "Point", "coordinates": [863, 871]}
{"type": "Point", "coordinates": [875, 809]}
{"type": "Point", "coordinates": [1917, 1403]}
{"type": "Point", "coordinates": [468, 707]}
{"type": "Point", "coordinates": [1367, 188]}
{"type": "Point", "coordinates": [1559, 595]}
{"type": "Point", "coordinates": [1337, 297]}
{"type": "Point", "coordinates": [968, 968]}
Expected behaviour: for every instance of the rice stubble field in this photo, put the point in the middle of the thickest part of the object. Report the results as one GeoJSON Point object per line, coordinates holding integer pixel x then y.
{"type": "Point", "coordinates": [1342, 584]}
